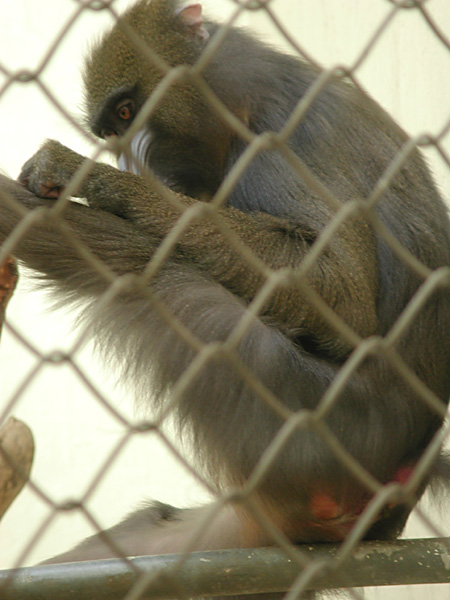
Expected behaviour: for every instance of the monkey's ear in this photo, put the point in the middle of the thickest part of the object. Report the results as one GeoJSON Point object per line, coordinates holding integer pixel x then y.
{"type": "Point", "coordinates": [190, 18]}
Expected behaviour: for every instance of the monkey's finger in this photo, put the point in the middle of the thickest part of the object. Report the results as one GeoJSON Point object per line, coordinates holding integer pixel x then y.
{"type": "Point", "coordinates": [43, 187]}
{"type": "Point", "coordinates": [36, 176]}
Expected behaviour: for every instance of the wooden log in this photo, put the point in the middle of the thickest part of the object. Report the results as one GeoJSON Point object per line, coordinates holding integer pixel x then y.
{"type": "Point", "coordinates": [16, 458]}
{"type": "Point", "coordinates": [16, 439]}
{"type": "Point", "coordinates": [8, 280]}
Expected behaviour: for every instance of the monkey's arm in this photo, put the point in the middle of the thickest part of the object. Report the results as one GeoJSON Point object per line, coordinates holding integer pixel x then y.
{"type": "Point", "coordinates": [50, 245]}
{"type": "Point", "coordinates": [344, 275]}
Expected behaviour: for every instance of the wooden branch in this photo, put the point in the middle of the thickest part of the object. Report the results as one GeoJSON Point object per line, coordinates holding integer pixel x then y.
{"type": "Point", "coordinates": [8, 281]}
{"type": "Point", "coordinates": [16, 458]}
{"type": "Point", "coordinates": [16, 439]}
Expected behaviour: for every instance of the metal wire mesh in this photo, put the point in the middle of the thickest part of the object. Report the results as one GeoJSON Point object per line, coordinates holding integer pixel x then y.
{"type": "Point", "coordinates": [175, 573]}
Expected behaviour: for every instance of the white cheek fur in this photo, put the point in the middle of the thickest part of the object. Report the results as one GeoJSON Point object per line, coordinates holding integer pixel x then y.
{"type": "Point", "coordinates": [133, 159]}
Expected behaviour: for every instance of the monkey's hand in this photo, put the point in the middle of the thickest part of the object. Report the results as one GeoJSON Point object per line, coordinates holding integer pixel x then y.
{"type": "Point", "coordinates": [51, 169]}
{"type": "Point", "coordinates": [54, 167]}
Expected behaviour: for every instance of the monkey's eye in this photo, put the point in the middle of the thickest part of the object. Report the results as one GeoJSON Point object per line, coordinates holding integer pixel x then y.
{"type": "Point", "coordinates": [125, 110]}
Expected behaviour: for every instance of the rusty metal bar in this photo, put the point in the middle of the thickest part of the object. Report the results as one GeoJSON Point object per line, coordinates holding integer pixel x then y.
{"type": "Point", "coordinates": [230, 572]}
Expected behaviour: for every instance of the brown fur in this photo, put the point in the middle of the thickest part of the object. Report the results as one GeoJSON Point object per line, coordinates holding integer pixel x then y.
{"type": "Point", "coordinates": [207, 284]}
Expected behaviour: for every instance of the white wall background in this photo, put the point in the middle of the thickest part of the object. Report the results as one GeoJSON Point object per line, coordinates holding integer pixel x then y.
{"type": "Point", "coordinates": [408, 71]}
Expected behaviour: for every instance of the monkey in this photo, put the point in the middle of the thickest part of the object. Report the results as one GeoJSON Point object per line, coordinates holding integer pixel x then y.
{"type": "Point", "coordinates": [173, 155]}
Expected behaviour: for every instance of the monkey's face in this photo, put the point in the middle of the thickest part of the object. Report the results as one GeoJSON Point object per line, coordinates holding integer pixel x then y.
{"type": "Point", "coordinates": [174, 132]}
{"type": "Point", "coordinates": [131, 61]}
{"type": "Point", "coordinates": [114, 120]}
{"type": "Point", "coordinates": [174, 139]}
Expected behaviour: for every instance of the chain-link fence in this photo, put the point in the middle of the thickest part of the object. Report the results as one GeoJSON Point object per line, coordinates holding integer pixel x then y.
{"type": "Point", "coordinates": [268, 335]}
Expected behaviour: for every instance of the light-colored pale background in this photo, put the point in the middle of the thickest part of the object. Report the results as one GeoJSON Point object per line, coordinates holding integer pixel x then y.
{"type": "Point", "coordinates": [408, 71]}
